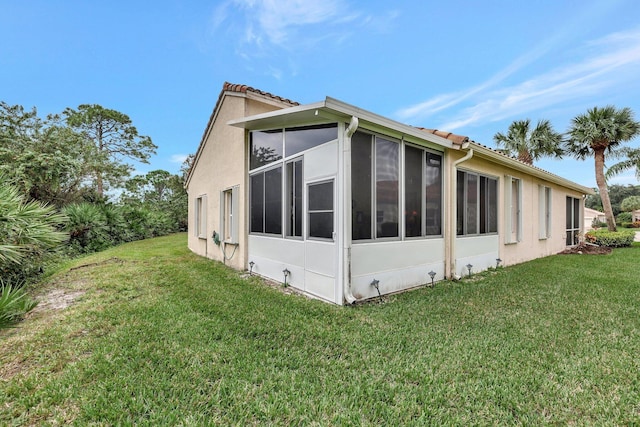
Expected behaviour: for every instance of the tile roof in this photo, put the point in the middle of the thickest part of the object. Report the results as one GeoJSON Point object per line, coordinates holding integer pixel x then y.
{"type": "Point", "coordinates": [231, 87]}
{"type": "Point", "coordinates": [456, 139]}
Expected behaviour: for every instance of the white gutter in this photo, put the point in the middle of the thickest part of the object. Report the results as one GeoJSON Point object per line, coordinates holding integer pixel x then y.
{"type": "Point", "coordinates": [453, 217]}
{"type": "Point", "coordinates": [488, 153]}
{"type": "Point", "coordinates": [346, 218]}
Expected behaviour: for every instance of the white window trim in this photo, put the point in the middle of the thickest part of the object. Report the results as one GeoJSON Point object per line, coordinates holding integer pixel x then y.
{"type": "Point", "coordinates": [544, 212]}
{"type": "Point", "coordinates": [287, 209]}
{"type": "Point", "coordinates": [510, 205]}
{"type": "Point", "coordinates": [229, 215]}
{"type": "Point", "coordinates": [309, 211]}
{"type": "Point", "coordinates": [201, 216]}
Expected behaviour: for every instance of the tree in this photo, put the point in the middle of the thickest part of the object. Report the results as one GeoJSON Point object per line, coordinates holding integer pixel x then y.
{"type": "Point", "coordinates": [114, 138]}
{"type": "Point", "coordinates": [630, 204]}
{"type": "Point", "coordinates": [617, 193]}
{"type": "Point", "coordinates": [600, 131]}
{"type": "Point", "coordinates": [159, 191]}
{"type": "Point", "coordinates": [527, 144]}
{"type": "Point", "coordinates": [632, 161]}
{"type": "Point", "coordinates": [593, 201]}
{"type": "Point", "coordinates": [44, 159]}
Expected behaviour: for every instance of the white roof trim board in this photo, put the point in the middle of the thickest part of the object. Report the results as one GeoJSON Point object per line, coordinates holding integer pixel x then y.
{"type": "Point", "coordinates": [327, 110]}
{"type": "Point", "coordinates": [332, 109]}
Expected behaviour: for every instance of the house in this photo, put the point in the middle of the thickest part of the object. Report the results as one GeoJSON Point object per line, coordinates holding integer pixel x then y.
{"type": "Point", "coordinates": [344, 204]}
{"type": "Point", "coordinates": [591, 216]}
{"type": "Point", "coordinates": [635, 216]}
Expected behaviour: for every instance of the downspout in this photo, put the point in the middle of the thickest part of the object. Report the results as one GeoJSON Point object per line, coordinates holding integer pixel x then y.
{"type": "Point", "coordinates": [346, 155]}
{"type": "Point", "coordinates": [452, 220]}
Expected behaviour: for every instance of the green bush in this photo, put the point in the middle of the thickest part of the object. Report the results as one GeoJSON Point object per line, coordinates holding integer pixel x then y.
{"type": "Point", "coordinates": [14, 303]}
{"type": "Point", "coordinates": [624, 217]}
{"type": "Point", "coordinates": [87, 228]}
{"type": "Point", "coordinates": [612, 239]}
{"type": "Point", "coordinates": [28, 234]}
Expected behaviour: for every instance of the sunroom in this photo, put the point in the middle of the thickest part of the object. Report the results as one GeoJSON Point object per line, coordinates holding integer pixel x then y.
{"type": "Point", "coordinates": [345, 204]}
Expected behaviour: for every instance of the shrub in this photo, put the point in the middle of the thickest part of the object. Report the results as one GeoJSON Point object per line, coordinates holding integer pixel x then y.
{"type": "Point", "coordinates": [612, 239]}
{"type": "Point", "coordinates": [28, 234]}
{"type": "Point", "coordinates": [624, 217]}
{"type": "Point", "coordinates": [87, 228]}
{"type": "Point", "coordinates": [14, 303]}
{"type": "Point", "coordinates": [598, 224]}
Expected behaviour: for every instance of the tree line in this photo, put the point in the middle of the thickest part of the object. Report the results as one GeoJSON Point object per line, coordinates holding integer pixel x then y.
{"type": "Point", "coordinates": [66, 187]}
{"type": "Point", "coordinates": [599, 133]}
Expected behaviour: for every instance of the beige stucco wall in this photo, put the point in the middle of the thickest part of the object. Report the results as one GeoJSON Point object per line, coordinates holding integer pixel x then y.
{"type": "Point", "coordinates": [530, 246]}
{"type": "Point", "coordinates": [221, 165]}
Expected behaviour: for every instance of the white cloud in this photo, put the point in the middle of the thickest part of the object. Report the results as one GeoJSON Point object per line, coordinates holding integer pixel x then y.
{"type": "Point", "coordinates": [288, 24]}
{"type": "Point", "coordinates": [276, 21]}
{"type": "Point", "coordinates": [624, 179]}
{"type": "Point", "coordinates": [178, 158]}
{"type": "Point", "coordinates": [609, 61]}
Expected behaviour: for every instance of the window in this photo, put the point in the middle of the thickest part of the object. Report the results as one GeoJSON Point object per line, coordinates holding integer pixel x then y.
{"type": "Point", "coordinates": [413, 204]}
{"type": "Point", "coordinates": [273, 201]}
{"type": "Point", "coordinates": [433, 193]}
{"type": "Point", "coordinates": [201, 217]}
{"type": "Point", "coordinates": [304, 138]}
{"type": "Point", "coordinates": [361, 186]}
{"type": "Point", "coordinates": [544, 212]}
{"type": "Point", "coordinates": [476, 204]}
{"type": "Point", "coordinates": [228, 215]}
{"type": "Point", "coordinates": [513, 206]}
{"type": "Point", "coordinates": [488, 205]}
{"type": "Point", "coordinates": [387, 178]}
{"type": "Point", "coordinates": [573, 221]}
{"type": "Point", "coordinates": [321, 210]}
{"type": "Point", "coordinates": [265, 147]}
{"type": "Point", "coordinates": [269, 146]}
{"type": "Point", "coordinates": [422, 208]}
{"type": "Point", "coordinates": [256, 205]}
{"type": "Point", "coordinates": [266, 201]}
{"type": "Point", "coordinates": [294, 198]}
{"type": "Point", "coordinates": [380, 196]}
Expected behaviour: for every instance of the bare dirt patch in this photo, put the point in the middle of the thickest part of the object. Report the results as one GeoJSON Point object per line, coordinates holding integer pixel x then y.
{"type": "Point", "coordinates": [57, 299]}
{"type": "Point", "coordinates": [584, 249]}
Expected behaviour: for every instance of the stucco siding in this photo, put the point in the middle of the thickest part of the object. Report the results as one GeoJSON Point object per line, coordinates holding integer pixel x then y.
{"type": "Point", "coordinates": [221, 165]}
{"type": "Point", "coordinates": [530, 245]}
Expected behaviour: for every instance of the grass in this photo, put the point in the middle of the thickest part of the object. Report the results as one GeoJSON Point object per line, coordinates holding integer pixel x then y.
{"type": "Point", "coordinates": [161, 336]}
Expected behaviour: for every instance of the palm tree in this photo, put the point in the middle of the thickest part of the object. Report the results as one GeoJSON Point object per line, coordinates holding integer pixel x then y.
{"type": "Point", "coordinates": [632, 161]}
{"type": "Point", "coordinates": [600, 131]}
{"type": "Point", "coordinates": [528, 144]}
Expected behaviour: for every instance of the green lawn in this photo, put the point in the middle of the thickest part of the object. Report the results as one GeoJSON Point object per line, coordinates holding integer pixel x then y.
{"type": "Point", "coordinates": [160, 336]}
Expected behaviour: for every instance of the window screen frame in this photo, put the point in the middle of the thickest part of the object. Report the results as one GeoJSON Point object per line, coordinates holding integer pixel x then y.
{"type": "Point", "coordinates": [425, 199]}
{"type": "Point", "coordinates": [280, 205]}
{"type": "Point", "coordinates": [314, 211]}
{"type": "Point", "coordinates": [482, 199]}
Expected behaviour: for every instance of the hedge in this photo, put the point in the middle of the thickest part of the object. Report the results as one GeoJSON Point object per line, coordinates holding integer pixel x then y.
{"type": "Point", "coordinates": [612, 239]}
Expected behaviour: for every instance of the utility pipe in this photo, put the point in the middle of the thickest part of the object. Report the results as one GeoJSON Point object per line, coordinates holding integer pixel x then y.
{"type": "Point", "coordinates": [453, 217]}
{"type": "Point", "coordinates": [347, 228]}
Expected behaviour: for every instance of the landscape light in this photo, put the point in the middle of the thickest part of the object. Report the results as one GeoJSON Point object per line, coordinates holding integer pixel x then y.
{"type": "Point", "coordinates": [432, 274]}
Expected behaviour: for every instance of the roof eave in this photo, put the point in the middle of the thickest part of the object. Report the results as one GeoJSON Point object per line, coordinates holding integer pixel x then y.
{"type": "Point", "coordinates": [333, 109]}
{"type": "Point", "coordinates": [486, 152]}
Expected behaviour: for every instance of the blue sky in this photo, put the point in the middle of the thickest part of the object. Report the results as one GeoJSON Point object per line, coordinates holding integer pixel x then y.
{"type": "Point", "coordinates": [469, 67]}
